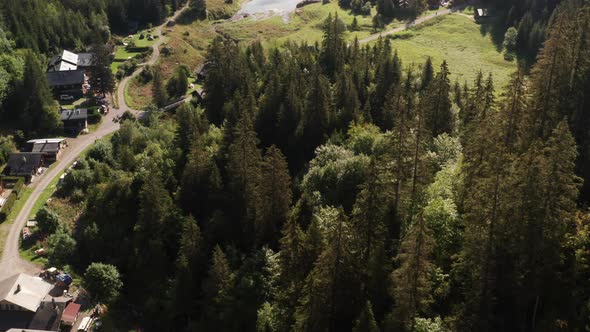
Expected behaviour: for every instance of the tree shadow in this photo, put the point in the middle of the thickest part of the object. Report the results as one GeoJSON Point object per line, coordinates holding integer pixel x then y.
{"type": "Point", "coordinates": [495, 27]}
{"type": "Point", "coordinates": [189, 16]}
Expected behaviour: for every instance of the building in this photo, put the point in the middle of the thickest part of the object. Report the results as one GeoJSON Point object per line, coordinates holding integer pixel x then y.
{"type": "Point", "coordinates": [74, 120]}
{"type": "Point", "coordinates": [50, 147]}
{"type": "Point", "coordinates": [22, 292]}
{"type": "Point", "coordinates": [70, 61]}
{"type": "Point", "coordinates": [481, 13]}
{"type": "Point", "coordinates": [25, 164]}
{"type": "Point", "coordinates": [66, 83]}
{"type": "Point", "coordinates": [70, 314]}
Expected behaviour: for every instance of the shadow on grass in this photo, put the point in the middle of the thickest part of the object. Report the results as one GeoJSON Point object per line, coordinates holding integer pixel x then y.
{"type": "Point", "coordinates": [495, 27]}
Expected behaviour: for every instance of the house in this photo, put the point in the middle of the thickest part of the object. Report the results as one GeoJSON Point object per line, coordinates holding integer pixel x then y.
{"type": "Point", "coordinates": [22, 292]}
{"type": "Point", "coordinates": [70, 61]}
{"type": "Point", "coordinates": [201, 71]}
{"type": "Point", "coordinates": [50, 147]}
{"type": "Point", "coordinates": [70, 314]}
{"type": "Point", "coordinates": [68, 82]}
{"type": "Point", "coordinates": [74, 120]}
{"type": "Point", "coordinates": [24, 164]}
{"type": "Point", "coordinates": [481, 13]}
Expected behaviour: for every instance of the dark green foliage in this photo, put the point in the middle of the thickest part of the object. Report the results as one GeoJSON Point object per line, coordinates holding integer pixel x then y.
{"type": "Point", "coordinates": [103, 282]}
{"type": "Point", "coordinates": [403, 217]}
{"type": "Point", "coordinates": [178, 83]}
{"type": "Point", "coordinates": [46, 221]}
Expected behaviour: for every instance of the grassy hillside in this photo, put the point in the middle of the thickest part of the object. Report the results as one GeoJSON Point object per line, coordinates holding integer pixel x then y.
{"type": "Point", "coordinates": [459, 40]}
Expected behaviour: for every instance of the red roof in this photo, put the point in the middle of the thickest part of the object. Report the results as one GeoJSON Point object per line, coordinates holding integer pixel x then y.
{"type": "Point", "coordinates": [70, 313]}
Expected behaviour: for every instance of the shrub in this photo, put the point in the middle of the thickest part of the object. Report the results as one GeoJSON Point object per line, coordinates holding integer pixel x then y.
{"type": "Point", "coordinates": [7, 207]}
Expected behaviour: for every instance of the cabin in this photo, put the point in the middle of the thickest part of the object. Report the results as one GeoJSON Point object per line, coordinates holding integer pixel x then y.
{"type": "Point", "coordinates": [481, 14]}
{"type": "Point", "coordinates": [66, 83]}
{"type": "Point", "coordinates": [50, 147]}
{"type": "Point", "coordinates": [25, 164]}
{"type": "Point", "coordinates": [75, 120]}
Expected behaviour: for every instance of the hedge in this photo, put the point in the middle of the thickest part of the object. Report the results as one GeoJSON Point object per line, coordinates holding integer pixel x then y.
{"type": "Point", "coordinates": [18, 185]}
{"type": "Point", "coordinates": [7, 207]}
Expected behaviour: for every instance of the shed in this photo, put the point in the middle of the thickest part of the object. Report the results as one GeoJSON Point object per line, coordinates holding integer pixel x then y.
{"type": "Point", "coordinates": [50, 147]}
{"type": "Point", "coordinates": [74, 120]}
{"type": "Point", "coordinates": [70, 314]}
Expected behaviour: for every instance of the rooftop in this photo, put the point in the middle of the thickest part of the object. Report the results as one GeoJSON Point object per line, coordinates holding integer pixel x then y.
{"type": "Point", "coordinates": [24, 290]}
{"type": "Point", "coordinates": [23, 163]}
{"type": "Point", "coordinates": [68, 77]}
{"type": "Point", "coordinates": [77, 114]}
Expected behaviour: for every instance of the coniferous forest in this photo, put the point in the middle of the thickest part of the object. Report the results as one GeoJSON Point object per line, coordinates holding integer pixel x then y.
{"type": "Point", "coordinates": [336, 187]}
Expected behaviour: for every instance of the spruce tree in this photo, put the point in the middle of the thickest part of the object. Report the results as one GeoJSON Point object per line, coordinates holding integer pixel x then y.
{"type": "Point", "coordinates": [411, 280]}
{"type": "Point", "coordinates": [273, 196]}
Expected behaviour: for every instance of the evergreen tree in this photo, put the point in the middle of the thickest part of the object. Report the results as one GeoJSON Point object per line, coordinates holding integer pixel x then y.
{"type": "Point", "coordinates": [101, 76]}
{"type": "Point", "coordinates": [411, 280]}
{"type": "Point", "coordinates": [244, 171]}
{"type": "Point", "coordinates": [366, 320]}
{"type": "Point", "coordinates": [274, 196]}
{"type": "Point", "coordinates": [427, 74]}
{"type": "Point", "coordinates": [39, 110]}
{"type": "Point", "coordinates": [437, 103]}
{"type": "Point", "coordinates": [218, 289]}
{"type": "Point", "coordinates": [160, 97]}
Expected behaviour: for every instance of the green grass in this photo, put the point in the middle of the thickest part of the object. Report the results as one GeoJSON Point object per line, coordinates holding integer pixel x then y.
{"type": "Point", "coordinates": [123, 54]}
{"type": "Point", "coordinates": [141, 42]}
{"type": "Point", "coordinates": [458, 40]}
{"type": "Point", "coordinates": [5, 226]}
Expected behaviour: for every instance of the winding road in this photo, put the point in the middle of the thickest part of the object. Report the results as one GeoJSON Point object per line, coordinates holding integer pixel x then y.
{"type": "Point", "coordinates": [10, 262]}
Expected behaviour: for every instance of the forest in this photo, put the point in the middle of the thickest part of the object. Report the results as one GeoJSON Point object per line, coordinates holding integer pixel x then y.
{"type": "Point", "coordinates": [334, 187]}
{"type": "Point", "coordinates": [326, 187]}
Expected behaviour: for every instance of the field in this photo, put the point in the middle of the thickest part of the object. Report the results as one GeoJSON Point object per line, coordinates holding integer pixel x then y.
{"type": "Point", "coordinates": [458, 40]}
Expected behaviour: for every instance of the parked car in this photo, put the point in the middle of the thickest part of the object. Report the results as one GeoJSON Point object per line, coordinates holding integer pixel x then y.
{"type": "Point", "coordinates": [66, 97]}
{"type": "Point", "coordinates": [85, 324]}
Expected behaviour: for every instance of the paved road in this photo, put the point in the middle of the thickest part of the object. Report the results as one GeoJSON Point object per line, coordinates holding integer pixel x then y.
{"type": "Point", "coordinates": [405, 27]}
{"type": "Point", "coordinates": [10, 262]}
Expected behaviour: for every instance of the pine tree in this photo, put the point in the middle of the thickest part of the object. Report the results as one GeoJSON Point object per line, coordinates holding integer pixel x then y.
{"type": "Point", "coordinates": [160, 97]}
{"type": "Point", "coordinates": [244, 171]}
{"type": "Point", "coordinates": [218, 289]}
{"type": "Point", "coordinates": [39, 109]}
{"type": "Point", "coordinates": [101, 76]}
{"type": "Point", "coordinates": [274, 196]}
{"type": "Point", "coordinates": [411, 280]}
{"type": "Point", "coordinates": [427, 74]}
{"type": "Point", "coordinates": [366, 320]}
{"type": "Point", "coordinates": [437, 103]}
{"type": "Point", "coordinates": [188, 265]}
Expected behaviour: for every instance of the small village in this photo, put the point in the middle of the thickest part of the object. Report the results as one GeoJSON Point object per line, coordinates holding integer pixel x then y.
{"type": "Point", "coordinates": [45, 302]}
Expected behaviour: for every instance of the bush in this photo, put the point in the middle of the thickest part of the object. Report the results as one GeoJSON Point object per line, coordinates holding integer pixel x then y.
{"type": "Point", "coordinates": [47, 221]}
{"type": "Point", "coordinates": [7, 207]}
{"type": "Point", "coordinates": [94, 118]}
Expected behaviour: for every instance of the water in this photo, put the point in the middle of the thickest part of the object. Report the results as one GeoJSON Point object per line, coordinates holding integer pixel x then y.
{"type": "Point", "coordinates": [268, 7]}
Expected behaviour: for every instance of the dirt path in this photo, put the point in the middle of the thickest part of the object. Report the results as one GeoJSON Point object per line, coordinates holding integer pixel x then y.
{"type": "Point", "coordinates": [406, 27]}
{"type": "Point", "coordinates": [153, 59]}
{"type": "Point", "coordinates": [10, 262]}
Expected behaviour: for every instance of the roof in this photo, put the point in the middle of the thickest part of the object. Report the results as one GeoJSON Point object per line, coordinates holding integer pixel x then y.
{"type": "Point", "coordinates": [46, 140]}
{"type": "Point", "coordinates": [71, 313]}
{"type": "Point", "coordinates": [70, 57]}
{"type": "Point", "coordinates": [68, 77]}
{"type": "Point", "coordinates": [77, 114]}
{"type": "Point", "coordinates": [23, 162]}
{"type": "Point", "coordinates": [48, 316]}
{"type": "Point", "coordinates": [85, 59]}
{"type": "Point", "coordinates": [46, 147]}
{"type": "Point", "coordinates": [24, 290]}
